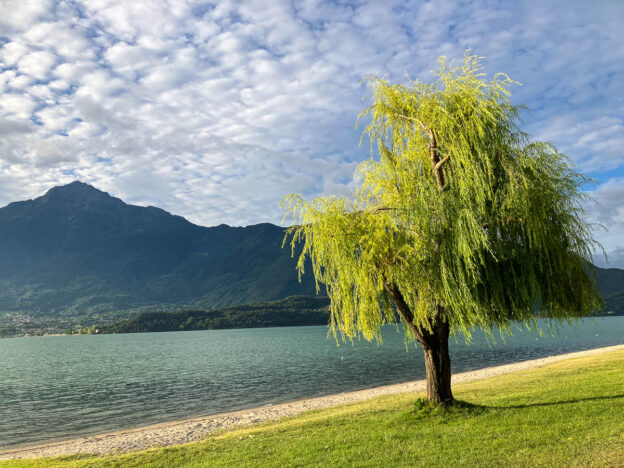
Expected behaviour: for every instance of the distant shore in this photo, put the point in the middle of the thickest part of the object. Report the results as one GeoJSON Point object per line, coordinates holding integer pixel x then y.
{"type": "Point", "coordinates": [189, 430]}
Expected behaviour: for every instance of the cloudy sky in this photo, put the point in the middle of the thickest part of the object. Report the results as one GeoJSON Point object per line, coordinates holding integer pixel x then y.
{"type": "Point", "coordinates": [215, 110]}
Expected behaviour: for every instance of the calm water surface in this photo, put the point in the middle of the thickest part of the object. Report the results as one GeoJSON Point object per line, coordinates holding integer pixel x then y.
{"type": "Point", "coordinates": [69, 386]}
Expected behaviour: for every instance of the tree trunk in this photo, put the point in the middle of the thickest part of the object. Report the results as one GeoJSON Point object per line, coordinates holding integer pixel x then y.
{"type": "Point", "coordinates": [435, 346]}
{"type": "Point", "coordinates": [438, 365]}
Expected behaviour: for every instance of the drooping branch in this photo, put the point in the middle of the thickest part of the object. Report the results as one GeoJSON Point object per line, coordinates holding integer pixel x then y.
{"type": "Point", "coordinates": [510, 218]}
{"type": "Point", "coordinates": [406, 313]}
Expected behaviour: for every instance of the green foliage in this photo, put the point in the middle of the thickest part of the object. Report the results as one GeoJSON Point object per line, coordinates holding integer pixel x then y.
{"type": "Point", "coordinates": [458, 210]}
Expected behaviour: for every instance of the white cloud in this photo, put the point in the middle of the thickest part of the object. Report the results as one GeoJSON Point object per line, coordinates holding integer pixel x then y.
{"type": "Point", "coordinates": [55, 118]}
{"type": "Point", "coordinates": [18, 15]}
{"type": "Point", "coordinates": [17, 105]}
{"type": "Point", "coordinates": [607, 210]}
{"type": "Point", "coordinates": [59, 85]}
{"type": "Point", "coordinates": [20, 82]}
{"type": "Point", "coordinates": [73, 71]}
{"type": "Point", "coordinates": [36, 64]}
{"type": "Point", "coordinates": [42, 92]}
{"type": "Point", "coordinates": [13, 127]}
{"type": "Point", "coordinates": [595, 144]}
{"type": "Point", "coordinates": [11, 52]}
{"type": "Point", "coordinates": [65, 38]}
{"type": "Point", "coordinates": [615, 259]}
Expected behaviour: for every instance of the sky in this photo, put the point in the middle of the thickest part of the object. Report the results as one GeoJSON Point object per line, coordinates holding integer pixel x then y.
{"type": "Point", "coordinates": [215, 110]}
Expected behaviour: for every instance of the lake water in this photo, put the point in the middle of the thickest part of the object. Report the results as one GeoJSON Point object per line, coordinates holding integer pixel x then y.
{"type": "Point", "coordinates": [70, 386]}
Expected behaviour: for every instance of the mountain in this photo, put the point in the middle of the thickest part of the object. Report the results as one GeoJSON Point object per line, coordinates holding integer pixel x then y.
{"type": "Point", "coordinates": [611, 282]}
{"type": "Point", "coordinates": [77, 251]}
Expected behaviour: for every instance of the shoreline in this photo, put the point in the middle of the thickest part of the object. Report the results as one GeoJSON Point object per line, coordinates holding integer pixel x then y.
{"type": "Point", "coordinates": [60, 333]}
{"type": "Point", "coordinates": [195, 429]}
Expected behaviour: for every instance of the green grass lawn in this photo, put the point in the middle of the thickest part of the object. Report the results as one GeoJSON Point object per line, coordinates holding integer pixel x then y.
{"type": "Point", "coordinates": [570, 413]}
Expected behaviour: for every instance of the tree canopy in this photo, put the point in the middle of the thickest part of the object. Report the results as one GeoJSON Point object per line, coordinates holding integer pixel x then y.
{"type": "Point", "coordinates": [459, 217]}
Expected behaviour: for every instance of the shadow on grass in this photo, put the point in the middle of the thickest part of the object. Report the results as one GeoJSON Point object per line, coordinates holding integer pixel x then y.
{"type": "Point", "coordinates": [423, 410]}
{"type": "Point", "coordinates": [562, 402]}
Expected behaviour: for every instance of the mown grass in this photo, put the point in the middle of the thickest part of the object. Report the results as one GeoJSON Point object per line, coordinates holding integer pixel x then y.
{"type": "Point", "coordinates": [566, 414]}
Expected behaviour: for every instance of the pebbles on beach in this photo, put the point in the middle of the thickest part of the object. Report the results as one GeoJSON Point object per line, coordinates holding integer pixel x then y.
{"type": "Point", "coordinates": [189, 430]}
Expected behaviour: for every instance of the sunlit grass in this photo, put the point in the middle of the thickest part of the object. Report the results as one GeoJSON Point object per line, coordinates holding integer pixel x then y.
{"type": "Point", "coordinates": [570, 413]}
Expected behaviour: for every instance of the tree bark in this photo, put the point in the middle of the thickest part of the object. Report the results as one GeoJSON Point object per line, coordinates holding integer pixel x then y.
{"type": "Point", "coordinates": [438, 364]}
{"type": "Point", "coordinates": [435, 347]}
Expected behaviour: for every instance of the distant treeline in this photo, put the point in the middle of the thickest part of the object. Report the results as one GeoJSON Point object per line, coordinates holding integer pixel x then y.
{"type": "Point", "coordinates": [292, 311]}
{"type": "Point", "coordinates": [6, 332]}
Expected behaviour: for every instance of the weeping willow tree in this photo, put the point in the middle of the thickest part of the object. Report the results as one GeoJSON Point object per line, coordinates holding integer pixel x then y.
{"type": "Point", "coordinates": [460, 222]}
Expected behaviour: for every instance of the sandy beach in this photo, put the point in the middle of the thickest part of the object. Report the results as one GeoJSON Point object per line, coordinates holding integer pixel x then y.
{"type": "Point", "coordinates": [189, 430]}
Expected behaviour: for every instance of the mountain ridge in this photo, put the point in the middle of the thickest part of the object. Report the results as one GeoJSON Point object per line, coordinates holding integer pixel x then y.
{"type": "Point", "coordinates": [77, 250]}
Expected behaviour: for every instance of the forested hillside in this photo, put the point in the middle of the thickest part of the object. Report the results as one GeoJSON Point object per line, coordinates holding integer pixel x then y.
{"type": "Point", "coordinates": [77, 251]}
{"type": "Point", "coordinates": [292, 311]}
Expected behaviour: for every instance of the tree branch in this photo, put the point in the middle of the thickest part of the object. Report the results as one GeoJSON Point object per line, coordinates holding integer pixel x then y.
{"type": "Point", "coordinates": [433, 150]}
{"type": "Point", "coordinates": [414, 119]}
{"type": "Point", "coordinates": [382, 208]}
{"type": "Point", "coordinates": [435, 160]}
{"type": "Point", "coordinates": [404, 310]}
{"type": "Point", "coordinates": [440, 163]}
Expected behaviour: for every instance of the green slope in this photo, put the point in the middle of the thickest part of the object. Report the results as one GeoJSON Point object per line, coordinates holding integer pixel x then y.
{"type": "Point", "coordinates": [76, 252]}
